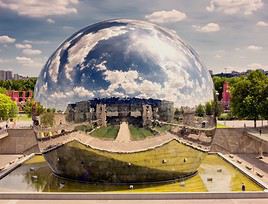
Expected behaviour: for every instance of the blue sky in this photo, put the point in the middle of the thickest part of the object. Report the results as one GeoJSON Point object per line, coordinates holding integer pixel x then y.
{"type": "Point", "coordinates": [226, 33]}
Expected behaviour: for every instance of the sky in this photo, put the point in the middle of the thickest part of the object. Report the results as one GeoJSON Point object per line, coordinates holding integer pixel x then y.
{"type": "Point", "coordinates": [227, 34]}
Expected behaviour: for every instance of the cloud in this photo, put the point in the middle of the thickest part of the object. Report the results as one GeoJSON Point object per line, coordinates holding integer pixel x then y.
{"type": "Point", "coordinates": [24, 60]}
{"type": "Point", "coordinates": [254, 47]}
{"type": "Point", "coordinates": [257, 66]}
{"type": "Point", "coordinates": [4, 39]}
{"type": "Point", "coordinates": [229, 7]}
{"type": "Point", "coordinates": [39, 9]}
{"type": "Point", "coordinates": [50, 21]}
{"type": "Point", "coordinates": [262, 24]}
{"type": "Point", "coordinates": [166, 16]}
{"type": "Point", "coordinates": [37, 42]}
{"type": "Point", "coordinates": [210, 27]}
{"type": "Point", "coordinates": [23, 46]}
{"type": "Point", "coordinates": [31, 52]}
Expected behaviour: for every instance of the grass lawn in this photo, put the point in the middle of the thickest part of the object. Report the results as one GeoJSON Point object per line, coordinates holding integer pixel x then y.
{"type": "Point", "coordinates": [221, 126]}
{"type": "Point", "coordinates": [163, 128]}
{"type": "Point", "coordinates": [23, 117]}
{"type": "Point", "coordinates": [109, 132]}
{"type": "Point", "coordinates": [139, 133]}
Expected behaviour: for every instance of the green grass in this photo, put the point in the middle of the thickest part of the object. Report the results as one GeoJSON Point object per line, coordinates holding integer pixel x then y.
{"type": "Point", "coordinates": [109, 132]}
{"type": "Point", "coordinates": [163, 128]}
{"type": "Point", "coordinates": [23, 117]}
{"type": "Point", "coordinates": [84, 128]}
{"type": "Point", "coordinates": [139, 133]}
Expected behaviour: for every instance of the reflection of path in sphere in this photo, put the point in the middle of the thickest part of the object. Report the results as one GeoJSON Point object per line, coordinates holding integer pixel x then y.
{"type": "Point", "coordinates": [123, 133]}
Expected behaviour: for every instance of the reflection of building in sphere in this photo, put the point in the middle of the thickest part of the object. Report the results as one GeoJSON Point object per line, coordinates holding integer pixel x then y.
{"type": "Point", "coordinates": [140, 112]}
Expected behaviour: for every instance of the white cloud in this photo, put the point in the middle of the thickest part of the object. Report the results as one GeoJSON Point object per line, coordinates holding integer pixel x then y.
{"type": "Point", "coordinates": [51, 21]}
{"type": "Point", "coordinates": [4, 39]}
{"type": "Point", "coordinates": [24, 60]}
{"type": "Point", "coordinates": [37, 8]}
{"type": "Point", "coordinates": [210, 27]}
{"type": "Point", "coordinates": [254, 47]}
{"type": "Point", "coordinates": [37, 42]}
{"type": "Point", "coordinates": [218, 56]}
{"type": "Point", "coordinates": [257, 66]}
{"type": "Point", "coordinates": [166, 16]}
{"type": "Point", "coordinates": [262, 24]}
{"type": "Point", "coordinates": [31, 52]}
{"type": "Point", "coordinates": [79, 51]}
{"type": "Point", "coordinates": [230, 7]}
{"type": "Point", "coordinates": [23, 46]}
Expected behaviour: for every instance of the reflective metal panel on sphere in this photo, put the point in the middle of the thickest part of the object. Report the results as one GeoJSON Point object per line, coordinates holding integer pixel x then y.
{"type": "Point", "coordinates": [124, 101]}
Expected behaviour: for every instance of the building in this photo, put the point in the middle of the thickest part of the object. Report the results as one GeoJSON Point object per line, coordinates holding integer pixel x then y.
{"type": "Point", "coordinates": [135, 111]}
{"type": "Point", "coordinates": [226, 96]}
{"type": "Point", "coordinates": [5, 75]}
{"type": "Point", "coordinates": [19, 77]}
{"type": "Point", "coordinates": [20, 97]}
{"type": "Point", "coordinates": [8, 75]}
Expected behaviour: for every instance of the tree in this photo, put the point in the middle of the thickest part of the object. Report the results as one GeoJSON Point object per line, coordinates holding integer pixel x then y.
{"type": "Point", "coordinates": [208, 108]}
{"type": "Point", "coordinates": [3, 90]}
{"type": "Point", "coordinates": [8, 108]}
{"type": "Point", "coordinates": [200, 110]}
{"type": "Point", "coordinates": [29, 106]}
{"type": "Point", "coordinates": [47, 119]}
{"type": "Point", "coordinates": [249, 96]}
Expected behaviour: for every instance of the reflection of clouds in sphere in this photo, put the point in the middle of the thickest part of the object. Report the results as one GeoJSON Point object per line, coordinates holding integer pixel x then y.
{"type": "Point", "coordinates": [124, 58]}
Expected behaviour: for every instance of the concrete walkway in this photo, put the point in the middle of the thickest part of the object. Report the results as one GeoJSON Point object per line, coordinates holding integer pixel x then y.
{"type": "Point", "coordinates": [123, 133]}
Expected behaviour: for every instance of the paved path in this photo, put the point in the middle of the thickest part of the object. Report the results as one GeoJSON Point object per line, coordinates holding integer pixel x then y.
{"type": "Point", "coordinates": [241, 123]}
{"type": "Point", "coordinates": [123, 133]}
{"type": "Point", "coordinates": [6, 158]}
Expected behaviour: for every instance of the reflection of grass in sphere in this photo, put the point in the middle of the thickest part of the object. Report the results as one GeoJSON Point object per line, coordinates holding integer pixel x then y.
{"type": "Point", "coordinates": [139, 133]}
{"type": "Point", "coordinates": [109, 132]}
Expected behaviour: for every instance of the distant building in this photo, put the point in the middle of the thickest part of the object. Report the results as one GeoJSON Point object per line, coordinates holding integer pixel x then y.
{"type": "Point", "coordinates": [8, 75]}
{"type": "Point", "coordinates": [5, 75]}
{"type": "Point", "coordinates": [115, 110]}
{"type": "Point", "coordinates": [226, 96]}
{"type": "Point", "coordinates": [19, 77]}
{"type": "Point", "coordinates": [20, 97]}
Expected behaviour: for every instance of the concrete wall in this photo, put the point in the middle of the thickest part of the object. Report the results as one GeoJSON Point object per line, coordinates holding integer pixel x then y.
{"type": "Point", "coordinates": [235, 140]}
{"type": "Point", "coordinates": [19, 141]}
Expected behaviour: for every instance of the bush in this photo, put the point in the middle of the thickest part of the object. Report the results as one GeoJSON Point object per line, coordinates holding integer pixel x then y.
{"type": "Point", "coordinates": [8, 108]}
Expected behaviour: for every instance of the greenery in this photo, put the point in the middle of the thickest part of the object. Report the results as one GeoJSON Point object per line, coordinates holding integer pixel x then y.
{"type": "Point", "coordinates": [39, 108]}
{"type": "Point", "coordinates": [208, 108]}
{"type": "Point", "coordinates": [162, 128]}
{"type": "Point", "coordinates": [139, 132]}
{"type": "Point", "coordinates": [8, 108]}
{"type": "Point", "coordinates": [19, 85]}
{"type": "Point", "coordinates": [221, 126]}
{"type": "Point", "coordinates": [3, 90]}
{"type": "Point", "coordinates": [84, 128]}
{"type": "Point", "coordinates": [109, 132]}
{"type": "Point", "coordinates": [47, 119]}
{"type": "Point", "coordinates": [250, 96]}
{"type": "Point", "coordinates": [200, 110]}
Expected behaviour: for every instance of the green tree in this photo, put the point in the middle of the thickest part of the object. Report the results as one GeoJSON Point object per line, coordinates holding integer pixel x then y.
{"type": "Point", "coordinates": [47, 119]}
{"type": "Point", "coordinates": [200, 110]}
{"type": "Point", "coordinates": [3, 90]}
{"type": "Point", "coordinates": [208, 108]}
{"type": "Point", "coordinates": [29, 106]}
{"type": "Point", "coordinates": [8, 108]}
{"type": "Point", "coordinates": [249, 96]}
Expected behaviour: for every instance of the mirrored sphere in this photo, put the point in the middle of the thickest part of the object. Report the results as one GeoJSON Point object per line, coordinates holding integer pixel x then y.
{"type": "Point", "coordinates": [124, 101]}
